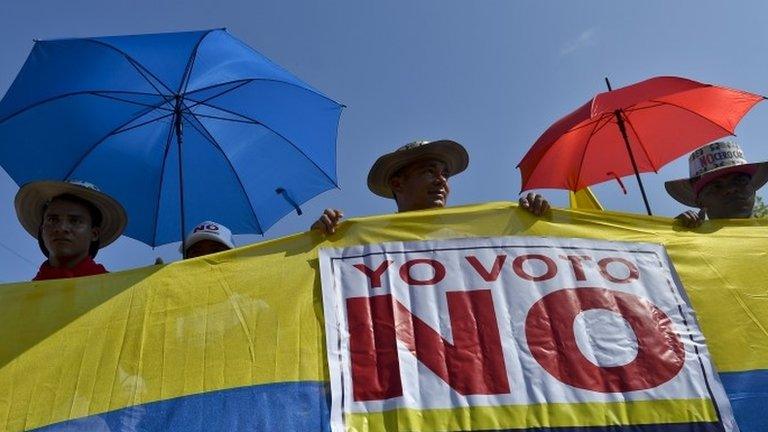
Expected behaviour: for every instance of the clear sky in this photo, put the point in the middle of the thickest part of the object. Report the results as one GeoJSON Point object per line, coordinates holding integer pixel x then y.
{"type": "Point", "coordinates": [491, 74]}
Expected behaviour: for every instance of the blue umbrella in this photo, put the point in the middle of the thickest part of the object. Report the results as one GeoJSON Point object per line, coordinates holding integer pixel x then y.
{"type": "Point", "coordinates": [178, 127]}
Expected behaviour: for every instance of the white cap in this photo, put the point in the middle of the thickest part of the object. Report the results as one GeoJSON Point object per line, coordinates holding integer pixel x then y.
{"type": "Point", "coordinates": [209, 231]}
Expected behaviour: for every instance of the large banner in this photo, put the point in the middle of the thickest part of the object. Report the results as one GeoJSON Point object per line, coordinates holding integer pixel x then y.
{"type": "Point", "coordinates": [236, 341]}
{"type": "Point", "coordinates": [514, 333]}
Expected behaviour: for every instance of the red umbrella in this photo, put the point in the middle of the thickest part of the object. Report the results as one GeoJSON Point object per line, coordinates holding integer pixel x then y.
{"type": "Point", "coordinates": [634, 129]}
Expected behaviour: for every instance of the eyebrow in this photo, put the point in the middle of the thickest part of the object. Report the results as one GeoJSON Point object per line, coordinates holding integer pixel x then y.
{"type": "Point", "coordinates": [436, 164]}
{"type": "Point", "coordinates": [64, 214]}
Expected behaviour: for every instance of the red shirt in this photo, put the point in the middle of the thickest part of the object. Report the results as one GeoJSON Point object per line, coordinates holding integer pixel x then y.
{"type": "Point", "coordinates": [86, 267]}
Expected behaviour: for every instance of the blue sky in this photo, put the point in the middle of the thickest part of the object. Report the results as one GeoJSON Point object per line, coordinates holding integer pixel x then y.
{"type": "Point", "coordinates": [491, 74]}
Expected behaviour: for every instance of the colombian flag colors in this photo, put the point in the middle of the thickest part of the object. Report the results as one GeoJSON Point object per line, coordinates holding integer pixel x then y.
{"type": "Point", "coordinates": [235, 341]}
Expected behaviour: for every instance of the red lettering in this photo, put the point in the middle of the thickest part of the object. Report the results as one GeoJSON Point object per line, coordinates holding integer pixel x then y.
{"type": "Point", "coordinates": [633, 272]}
{"type": "Point", "coordinates": [374, 275]}
{"type": "Point", "coordinates": [517, 266]}
{"type": "Point", "coordinates": [373, 348]}
{"type": "Point", "coordinates": [488, 276]}
{"type": "Point", "coordinates": [437, 267]}
{"type": "Point", "coordinates": [578, 269]}
{"type": "Point", "coordinates": [473, 364]}
{"type": "Point", "coordinates": [549, 332]}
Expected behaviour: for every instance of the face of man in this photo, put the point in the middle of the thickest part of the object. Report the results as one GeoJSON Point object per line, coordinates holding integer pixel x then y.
{"type": "Point", "coordinates": [728, 197]}
{"type": "Point", "coordinates": [421, 185]}
{"type": "Point", "coordinates": [67, 232]}
{"type": "Point", "coordinates": [205, 247]}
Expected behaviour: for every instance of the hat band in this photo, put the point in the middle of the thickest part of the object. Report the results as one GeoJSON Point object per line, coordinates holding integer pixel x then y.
{"type": "Point", "coordinates": [705, 178]}
{"type": "Point", "coordinates": [706, 162]}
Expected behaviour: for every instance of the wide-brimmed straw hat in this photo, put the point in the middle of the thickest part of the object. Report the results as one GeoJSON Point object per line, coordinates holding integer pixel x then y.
{"type": "Point", "coordinates": [449, 152]}
{"type": "Point", "coordinates": [710, 162]}
{"type": "Point", "coordinates": [32, 198]}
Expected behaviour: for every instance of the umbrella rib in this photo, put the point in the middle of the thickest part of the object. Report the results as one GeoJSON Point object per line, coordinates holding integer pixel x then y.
{"type": "Point", "coordinates": [112, 132]}
{"type": "Point", "coordinates": [205, 133]}
{"type": "Point", "coordinates": [126, 92]}
{"type": "Point", "coordinates": [244, 82]}
{"type": "Point", "coordinates": [640, 143]}
{"type": "Point", "coordinates": [694, 113]}
{"type": "Point", "coordinates": [130, 101]}
{"type": "Point", "coordinates": [190, 63]}
{"type": "Point", "coordinates": [249, 80]}
{"type": "Point", "coordinates": [139, 70]}
{"type": "Point", "coordinates": [633, 109]}
{"type": "Point", "coordinates": [222, 118]}
{"type": "Point", "coordinates": [138, 66]}
{"type": "Point", "coordinates": [160, 184]}
{"type": "Point", "coordinates": [590, 123]}
{"type": "Point", "coordinates": [277, 66]}
{"type": "Point", "coordinates": [276, 133]}
{"type": "Point", "coordinates": [44, 101]}
{"type": "Point", "coordinates": [142, 124]}
{"type": "Point", "coordinates": [595, 130]}
{"type": "Point", "coordinates": [212, 86]}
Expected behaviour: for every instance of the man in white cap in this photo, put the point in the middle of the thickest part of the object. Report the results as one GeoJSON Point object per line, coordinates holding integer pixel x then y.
{"type": "Point", "coordinates": [207, 238]}
{"type": "Point", "coordinates": [71, 222]}
{"type": "Point", "coordinates": [416, 177]}
{"type": "Point", "coordinates": [721, 184]}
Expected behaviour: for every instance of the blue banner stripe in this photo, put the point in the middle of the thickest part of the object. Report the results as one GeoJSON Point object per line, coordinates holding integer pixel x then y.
{"type": "Point", "coordinates": [748, 392]}
{"type": "Point", "coordinates": [294, 406]}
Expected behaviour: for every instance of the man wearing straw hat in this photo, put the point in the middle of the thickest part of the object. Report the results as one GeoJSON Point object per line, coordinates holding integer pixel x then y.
{"type": "Point", "coordinates": [416, 177]}
{"type": "Point", "coordinates": [71, 222]}
{"type": "Point", "coordinates": [721, 184]}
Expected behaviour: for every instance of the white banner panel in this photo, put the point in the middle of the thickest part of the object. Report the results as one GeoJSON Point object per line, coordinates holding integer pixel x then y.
{"type": "Point", "coordinates": [514, 332]}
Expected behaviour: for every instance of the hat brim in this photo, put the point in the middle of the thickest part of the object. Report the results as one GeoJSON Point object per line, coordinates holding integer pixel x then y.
{"type": "Point", "coordinates": [32, 198]}
{"type": "Point", "coordinates": [453, 154]}
{"type": "Point", "coordinates": [683, 191]}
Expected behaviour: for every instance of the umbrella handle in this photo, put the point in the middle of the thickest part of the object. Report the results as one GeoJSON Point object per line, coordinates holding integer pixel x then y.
{"type": "Point", "coordinates": [284, 193]}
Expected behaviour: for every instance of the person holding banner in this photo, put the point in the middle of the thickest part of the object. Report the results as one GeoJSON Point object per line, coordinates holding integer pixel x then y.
{"type": "Point", "coordinates": [722, 184]}
{"type": "Point", "coordinates": [416, 177]}
{"type": "Point", "coordinates": [71, 221]}
{"type": "Point", "coordinates": [207, 238]}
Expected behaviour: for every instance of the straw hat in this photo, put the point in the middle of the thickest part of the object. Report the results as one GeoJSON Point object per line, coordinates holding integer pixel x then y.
{"type": "Point", "coordinates": [32, 198]}
{"type": "Point", "coordinates": [449, 152]}
{"type": "Point", "coordinates": [709, 162]}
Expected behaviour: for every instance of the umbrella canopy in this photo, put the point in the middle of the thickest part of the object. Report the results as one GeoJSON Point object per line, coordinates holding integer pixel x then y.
{"type": "Point", "coordinates": [662, 118]}
{"type": "Point", "coordinates": [194, 123]}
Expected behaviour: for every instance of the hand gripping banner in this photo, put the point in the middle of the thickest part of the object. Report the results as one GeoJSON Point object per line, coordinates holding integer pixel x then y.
{"type": "Point", "coordinates": [515, 333]}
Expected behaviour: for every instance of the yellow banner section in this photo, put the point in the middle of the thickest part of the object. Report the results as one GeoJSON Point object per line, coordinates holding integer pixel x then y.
{"type": "Point", "coordinates": [72, 348]}
{"type": "Point", "coordinates": [584, 199]}
{"type": "Point", "coordinates": [634, 413]}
